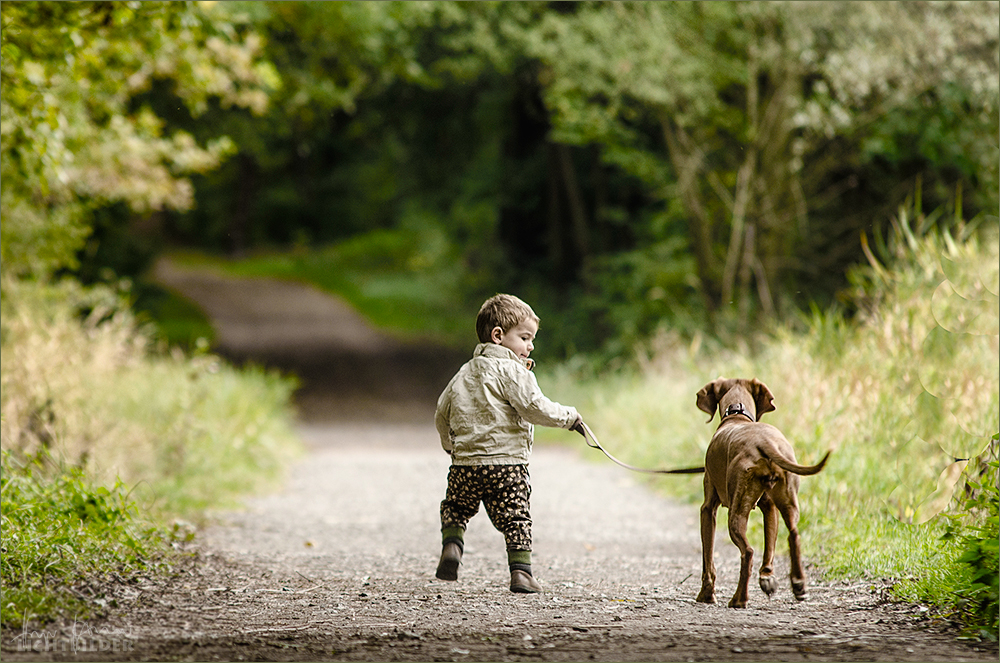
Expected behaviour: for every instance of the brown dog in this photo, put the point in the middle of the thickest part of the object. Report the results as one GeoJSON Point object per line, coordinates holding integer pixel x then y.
{"type": "Point", "coordinates": [749, 464]}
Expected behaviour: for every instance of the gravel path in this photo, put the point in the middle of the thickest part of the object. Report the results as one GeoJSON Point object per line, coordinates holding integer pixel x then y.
{"type": "Point", "coordinates": [339, 565]}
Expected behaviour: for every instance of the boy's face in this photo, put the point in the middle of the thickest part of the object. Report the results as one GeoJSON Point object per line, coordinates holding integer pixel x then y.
{"type": "Point", "coordinates": [519, 339]}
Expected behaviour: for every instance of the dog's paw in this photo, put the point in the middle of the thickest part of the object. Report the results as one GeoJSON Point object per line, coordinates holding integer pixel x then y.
{"type": "Point", "coordinates": [768, 585]}
{"type": "Point", "coordinates": [706, 596]}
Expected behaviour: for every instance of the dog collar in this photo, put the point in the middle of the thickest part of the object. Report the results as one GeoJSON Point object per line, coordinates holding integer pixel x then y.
{"type": "Point", "coordinates": [737, 408]}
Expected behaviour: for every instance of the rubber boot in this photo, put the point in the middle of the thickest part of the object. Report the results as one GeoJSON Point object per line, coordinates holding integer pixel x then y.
{"type": "Point", "coordinates": [451, 557]}
{"type": "Point", "coordinates": [522, 582]}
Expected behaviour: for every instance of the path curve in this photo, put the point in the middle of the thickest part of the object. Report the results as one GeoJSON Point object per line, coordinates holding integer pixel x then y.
{"type": "Point", "coordinates": [339, 564]}
{"type": "Point", "coordinates": [349, 370]}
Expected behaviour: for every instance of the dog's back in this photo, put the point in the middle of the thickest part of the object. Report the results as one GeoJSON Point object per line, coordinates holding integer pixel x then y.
{"type": "Point", "coordinates": [749, 464]}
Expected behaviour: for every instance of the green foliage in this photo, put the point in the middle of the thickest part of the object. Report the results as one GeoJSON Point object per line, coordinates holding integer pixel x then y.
{"type": "Point", "coordinates": [72, 138]}
{"type": "Point", "coordinates": [717, 159]}
{"type": "Point", "coordinates": [626, 164]}
{"type": "Point", "coordinates": [306, 172]}
{"type": "Point", "coordinates": [748, 115]}
{"type": "Point", "coordinates": [978, 597]}
{"type": "Point", "coordinates": [331, 55]}
{"type": "Point", "coordinates": [62, 535]}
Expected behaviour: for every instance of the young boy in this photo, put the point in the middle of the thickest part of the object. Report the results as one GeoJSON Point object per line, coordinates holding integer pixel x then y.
{"type": "Point", "coordinates": [485, 417]}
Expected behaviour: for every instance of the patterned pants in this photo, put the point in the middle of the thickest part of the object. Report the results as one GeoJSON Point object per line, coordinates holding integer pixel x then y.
{"type": "Point", "coordinates": [504, 491]}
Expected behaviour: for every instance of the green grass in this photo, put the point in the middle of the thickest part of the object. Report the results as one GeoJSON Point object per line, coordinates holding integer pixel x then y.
{"type": "Point", "coordinates": [106, 440]}
{"type": "Point", "coordinates": [64, 536]}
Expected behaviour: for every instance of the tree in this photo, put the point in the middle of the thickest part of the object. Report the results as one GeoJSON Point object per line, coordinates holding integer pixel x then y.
{"type": "Point", "coordinates": [73, 137]}
{"type": "Point", "coordinates": [333, 57]}
{"type": "Point", "coordinates": [621, 160]}
{"type": "Point", "coordinates": [760, 110]}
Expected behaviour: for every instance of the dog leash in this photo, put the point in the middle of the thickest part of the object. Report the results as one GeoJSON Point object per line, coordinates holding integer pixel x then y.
{"type": "Point", "coordinates": [588, 436]}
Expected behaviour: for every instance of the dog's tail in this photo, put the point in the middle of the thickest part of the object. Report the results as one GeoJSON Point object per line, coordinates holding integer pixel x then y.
{"type": "Point", "coordinates": [789, 466]}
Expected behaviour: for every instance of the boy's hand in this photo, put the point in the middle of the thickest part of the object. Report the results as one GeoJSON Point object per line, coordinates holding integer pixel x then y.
{"type": "Point", "coordinates": [578, 426]}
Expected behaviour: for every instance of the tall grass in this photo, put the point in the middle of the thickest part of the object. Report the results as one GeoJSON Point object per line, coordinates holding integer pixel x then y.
{"type": "Point", "coordinates": [94, 414]}
{"type": "Point", "coordinates": [904, 392]}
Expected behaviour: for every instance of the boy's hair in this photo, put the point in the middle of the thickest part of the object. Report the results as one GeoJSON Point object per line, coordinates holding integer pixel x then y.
{"type": "Point", "coordinates": [503, 311]}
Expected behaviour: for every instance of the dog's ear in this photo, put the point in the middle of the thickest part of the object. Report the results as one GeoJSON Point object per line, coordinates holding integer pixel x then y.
{"type": "Point", "coordinates": [708, 399]}
{"type": "Point", "coordinates": [762, 397]}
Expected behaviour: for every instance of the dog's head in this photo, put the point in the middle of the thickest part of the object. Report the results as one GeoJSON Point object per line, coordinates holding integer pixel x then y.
{"type": "Point", "coordinates": [753, 395]}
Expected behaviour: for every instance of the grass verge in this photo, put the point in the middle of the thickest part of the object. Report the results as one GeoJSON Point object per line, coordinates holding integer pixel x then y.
{"type": "Point", "coordinates": [65, 538]}
{"type": "Point", "coordinates": [178, 321]}
{"type": "Point", "coordinates": [106, 440]}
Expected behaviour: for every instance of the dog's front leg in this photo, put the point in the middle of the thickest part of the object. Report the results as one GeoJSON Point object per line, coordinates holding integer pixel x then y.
{"type": "Point", "coordinates": [708, 514]}
{"type": "Point", "coordinates": [739, 510]}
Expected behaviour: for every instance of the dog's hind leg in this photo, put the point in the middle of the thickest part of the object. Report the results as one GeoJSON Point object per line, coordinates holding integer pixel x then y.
{"type": "Point", "coordinates": [790, 514]}
{"type": "Point", "coordinates": [768, 583]}
{"type": "Point", "coordinates": [739, 509]}
{"type": "Point", "coordinates": [708, 513]}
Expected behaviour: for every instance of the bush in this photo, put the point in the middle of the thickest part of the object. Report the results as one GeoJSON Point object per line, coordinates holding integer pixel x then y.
{"type": "Point", "coordinates": [186, 431]}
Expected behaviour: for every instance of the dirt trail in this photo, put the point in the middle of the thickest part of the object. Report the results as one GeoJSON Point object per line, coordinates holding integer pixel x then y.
{"type": "Point", "coordinates": [349, 370]}
{"type": "Point", "coordinates": [339, 564]}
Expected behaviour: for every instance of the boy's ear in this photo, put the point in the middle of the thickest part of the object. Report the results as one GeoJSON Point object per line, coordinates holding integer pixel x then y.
{"type": "Point", "coordinates": [496, 335]}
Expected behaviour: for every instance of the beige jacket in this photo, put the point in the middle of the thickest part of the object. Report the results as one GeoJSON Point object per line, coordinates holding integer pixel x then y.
{"type": "Point", "coordinates": [486, 412]}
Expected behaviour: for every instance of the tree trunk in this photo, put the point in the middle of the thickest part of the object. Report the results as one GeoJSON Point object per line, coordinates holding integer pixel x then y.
{"type": "Point", "coordinates": [580, 238]}
{"type": "Point", "coordinates": [239, 223]}
{"type": "Point", "coordinates": [554, 211]}
{"type": "Point", "coordinates": [687, 164]}
{"type": "Point", "coordinates": [599, 238]}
